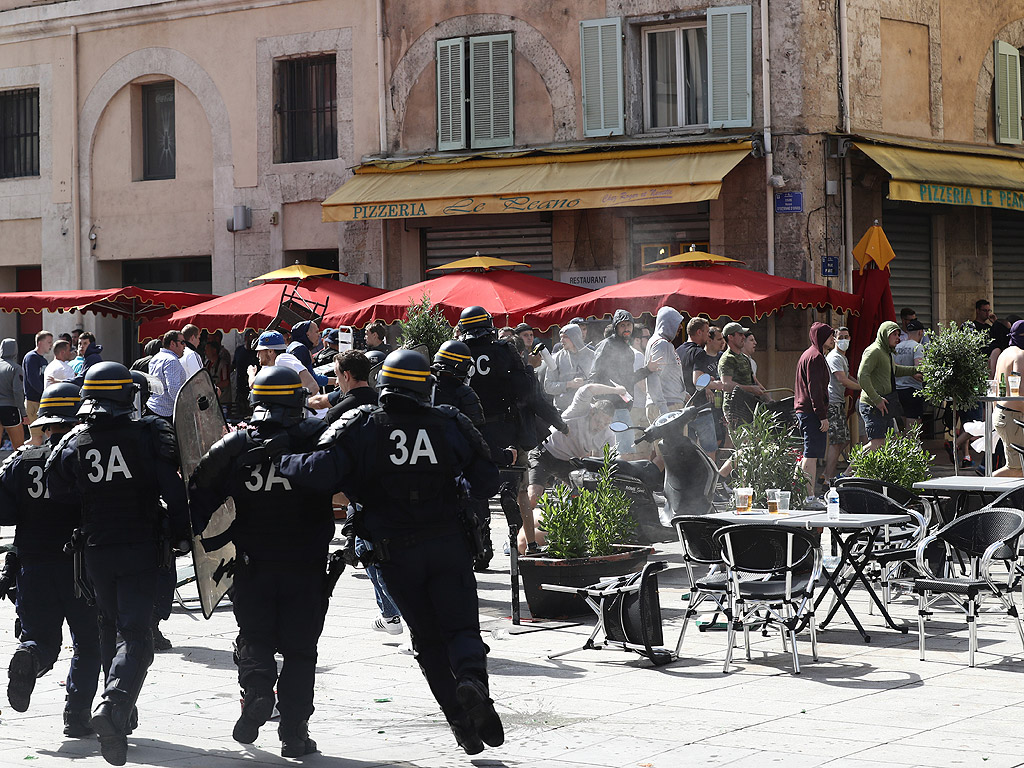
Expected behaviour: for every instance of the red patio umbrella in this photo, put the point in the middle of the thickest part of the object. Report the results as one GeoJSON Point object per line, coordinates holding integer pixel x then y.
{"type": "Point", "coordinates": [507, 295]}
{"type": "Point", "coordinates": [256, 307]}
{"type": "Point", "coordinates": [872, 284]}
{"type": "Point", "coordinates": [714, 290]}
{"type": "Point", "coordinates": [134, 303]}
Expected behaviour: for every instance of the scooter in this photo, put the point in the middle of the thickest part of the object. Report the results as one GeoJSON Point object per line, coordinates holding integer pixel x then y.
{"type": "Point", "coordinates": [688, 482]}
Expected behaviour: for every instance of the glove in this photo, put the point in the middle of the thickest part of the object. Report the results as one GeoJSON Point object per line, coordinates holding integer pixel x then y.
{"type": "Point", "coordinates": [9, 575]}
{"type": "Point", "coordinates": [540, 345]}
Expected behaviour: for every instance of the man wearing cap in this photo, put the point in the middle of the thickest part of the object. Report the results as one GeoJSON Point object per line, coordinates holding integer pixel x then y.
{"type": "Point", "coordinates": [526, 332]}
{"type": "Point", "coordinates": [46, 581]}
{"type": "Point", "coordinates": [1011, 361]}
{"type": "Point", "coordinates": [910, 352]}
{"type": "Point", "coordinates": [270, 350]}
{"type": "Point", "coordinates": [166, 366]}
{"type": "Point", "coordinates": [742, 392]}
{"type": "Point", "coordinates": [326, 355]}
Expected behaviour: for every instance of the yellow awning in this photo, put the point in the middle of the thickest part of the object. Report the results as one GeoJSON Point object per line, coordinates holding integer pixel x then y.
{"type": "Point", "coordinates": [537, 183]}
{"type": "Point", "coordinates": [953, 178]}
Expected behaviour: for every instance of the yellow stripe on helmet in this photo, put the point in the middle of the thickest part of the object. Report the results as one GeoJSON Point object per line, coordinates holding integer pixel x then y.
{"type": "Point", "coordinates": [475, 319]}
{"type": "Point", "coordinates": [453, 356]}
{"type": "Point", "coordinates": [405, 374]}
{"type": "Point", "coordinates": [59, 401]}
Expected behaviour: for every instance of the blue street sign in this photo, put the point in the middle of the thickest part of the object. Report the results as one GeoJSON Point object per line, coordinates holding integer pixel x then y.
{"type": "Point", "coordinates": [789, 202]}
{"type": "Point", "coordinates": [830, 266]}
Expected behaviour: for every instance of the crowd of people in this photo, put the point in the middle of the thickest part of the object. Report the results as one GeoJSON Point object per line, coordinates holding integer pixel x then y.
{"type": "Point", "coordinates": [411, 448]}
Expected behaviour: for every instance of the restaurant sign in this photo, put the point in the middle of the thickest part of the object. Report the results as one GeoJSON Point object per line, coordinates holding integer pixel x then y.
{"type": "Point", "coordinates": [594, 279]}
{"type": "Point", "coordinates": [952, 194]}
{"type": "Point", "coordinates": [527, 203]}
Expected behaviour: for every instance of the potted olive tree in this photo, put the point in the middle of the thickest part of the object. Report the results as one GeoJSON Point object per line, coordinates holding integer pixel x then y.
{"type": "Point", "coordinates": [585, 531]}
{"type": "Point", "coordinates": [766, 457]}
{"type": "Point", "coordinates": [425, 327]}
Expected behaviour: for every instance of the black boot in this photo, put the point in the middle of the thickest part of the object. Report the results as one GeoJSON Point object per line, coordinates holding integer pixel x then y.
{"type": "Point", "coordinates": [110, 729]}
{"type": "Point", "coordinates": [160, 643]}
{"type": "Point", "coordinates": [295, 741]}
{"type": "Point", "coordinates": [257, 707]}
{"type": "Point", "coordinates": [22, 672]}
{"type": "Point", "coordinates": [466, 735]}
{"type": "Point", "coordinates": [474, 699]}
{"type": "Point", "coordinates": [77, 723]}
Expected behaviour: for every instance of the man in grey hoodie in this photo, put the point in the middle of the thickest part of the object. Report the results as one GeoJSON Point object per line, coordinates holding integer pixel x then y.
{"type": "Point", "coordinates": [12, 393]}
{"type": "Point", "coordinates": [569, 367]}
{"type": "Point", "coordinates": [666, 390]}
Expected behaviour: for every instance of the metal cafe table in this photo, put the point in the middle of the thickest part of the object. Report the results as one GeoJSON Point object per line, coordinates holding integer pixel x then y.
{"type": "Point", "coordinates": [844, 530]}
{"type": "Point", "coordinates": [989, 402]}
{"type": "Point", "coordinates": [959, 487]}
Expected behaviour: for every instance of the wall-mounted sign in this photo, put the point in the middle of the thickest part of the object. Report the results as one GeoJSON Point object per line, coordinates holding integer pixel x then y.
{"type": "Point", "coordinates": [789, 202]}
{"type": "Point", "coordinates": [951, 194]}
{"type": "Point", "coordinates": [830, 266]}
{"type": "Point", "coordinates": [595, 279]}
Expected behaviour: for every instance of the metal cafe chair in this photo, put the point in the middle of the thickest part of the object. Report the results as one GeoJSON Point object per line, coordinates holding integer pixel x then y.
{"type": "Point", "coordinates": [696, 537]}
{"type": "Point", "coordinates": [628, 613]}
{"type": "Point", "coordinates": [984, 537]}
{"type": "Point", "coordinates": [788, 560]}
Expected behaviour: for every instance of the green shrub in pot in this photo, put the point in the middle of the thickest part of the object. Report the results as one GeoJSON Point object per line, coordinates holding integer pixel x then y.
{"type": "Point", "coordinates": [766, 457]}
{"type": "Point", "coordinates": [901, 460]}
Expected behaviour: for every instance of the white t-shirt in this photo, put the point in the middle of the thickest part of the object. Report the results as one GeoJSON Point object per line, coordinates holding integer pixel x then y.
{"type": "Point", "coordinates": [57, 371]}
{"type": "Point", "coordinates": [908, 352]}
{"type": "Point", "coordinates": [191, 362]}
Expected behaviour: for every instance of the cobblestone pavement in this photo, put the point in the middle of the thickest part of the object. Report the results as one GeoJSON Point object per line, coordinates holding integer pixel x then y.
{"type": "Point", "coordinates": [860, 705]}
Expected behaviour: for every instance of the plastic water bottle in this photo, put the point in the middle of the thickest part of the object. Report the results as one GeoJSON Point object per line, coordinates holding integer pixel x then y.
{"type": "Point", "coordinates": [832, 504]}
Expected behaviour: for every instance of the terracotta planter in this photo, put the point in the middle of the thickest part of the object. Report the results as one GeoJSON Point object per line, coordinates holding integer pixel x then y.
{"type": "Point", "coordinates": [575, 572]}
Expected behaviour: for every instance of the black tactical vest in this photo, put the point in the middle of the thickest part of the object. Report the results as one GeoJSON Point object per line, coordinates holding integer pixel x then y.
{"type": "Point", "coordinates": [44, 526]}
{"type": "Point", "coordinates": [117, 480]}
{"type": "Point", "coordinates": [492, 379]}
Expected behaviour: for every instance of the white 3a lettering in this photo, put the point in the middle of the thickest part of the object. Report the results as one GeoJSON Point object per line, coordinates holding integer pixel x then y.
{"type": "Point", "coordinates": [421, 448]}
{"type": "Point", "coordinates": [256, 482]}
{"type": "Point", "coordinates": [116, 465]}
{"type": "Point", "coordinates": [37, 489]}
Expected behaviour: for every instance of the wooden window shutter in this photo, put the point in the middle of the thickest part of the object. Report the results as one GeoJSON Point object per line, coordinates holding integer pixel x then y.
{"type": "Point", "coordinates": [601, 54]}
{"type": "Point", "coordinates": [451, 94]}
{"type": "Point", "coordinates": [729, 76]}
{"type": "Point", "coordinates": [490, 91]}
{"type": "Point", "coordinates": [1007, 99]}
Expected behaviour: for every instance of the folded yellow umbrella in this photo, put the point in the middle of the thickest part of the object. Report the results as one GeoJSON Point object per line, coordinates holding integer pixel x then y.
{"type": "Point", "coordinates": [874, 246]}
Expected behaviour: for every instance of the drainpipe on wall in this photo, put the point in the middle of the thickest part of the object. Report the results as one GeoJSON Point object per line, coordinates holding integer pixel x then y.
{"type": "Point", "coordinates": [76, 197]}
{"type": "Point", "coordinates": [769, 163]}
{"type": "Point", "coordinates": [844, 80]}
{"type": "Point", "coordinates": [382, 124]}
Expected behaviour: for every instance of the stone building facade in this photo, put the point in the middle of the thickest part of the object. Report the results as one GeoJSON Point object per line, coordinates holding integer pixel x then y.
{"type": "Point", "coordinates": [478, 90]}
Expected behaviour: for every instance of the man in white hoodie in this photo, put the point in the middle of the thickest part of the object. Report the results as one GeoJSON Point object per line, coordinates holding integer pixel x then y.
{"type": "Point", "coordinates": [569, 367]}
{"type": "Point", "coordinates": [666, 390]}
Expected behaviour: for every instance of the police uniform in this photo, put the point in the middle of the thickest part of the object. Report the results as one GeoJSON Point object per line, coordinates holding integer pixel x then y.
{"type": "Point", "coordinates": [453, 366]}
{"type": "Point", "coordinates": [281, 535]}
{"type": "Point", "coordinates": [46, 584]}
{"type": "Point", "coordinates": [407, 463]}
{"type": "Point", "coordinates": [119, 469]}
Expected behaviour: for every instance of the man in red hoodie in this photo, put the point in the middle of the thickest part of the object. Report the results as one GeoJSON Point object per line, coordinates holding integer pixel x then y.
{"type": "Point", "coordinates": [811, 398]}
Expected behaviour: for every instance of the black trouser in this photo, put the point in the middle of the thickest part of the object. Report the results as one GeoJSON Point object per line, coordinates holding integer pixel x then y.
{"type": "Point", "coordinates": [432, 583]}
{"type": "Point", "coordinates": [46, 597]}
{"type": "Point", "coordinates": [279, 608]}
{"type": "Point", "coordinates": [124, 578]}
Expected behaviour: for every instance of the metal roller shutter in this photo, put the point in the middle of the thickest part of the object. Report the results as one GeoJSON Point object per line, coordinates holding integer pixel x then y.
{"type": "Point", "coordinates": [529, 243]}
{"type": "Point", "coordinates": [911, 271]}
{"type": "Point", "coordinates": [1008, 264]}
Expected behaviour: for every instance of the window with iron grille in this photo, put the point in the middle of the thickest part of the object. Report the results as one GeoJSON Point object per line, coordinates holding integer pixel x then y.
{"type": "Point", "coordinates": [19, 133]}
{"type": "Point", "coordinates": [306, 107]}
{"type": "Point", "coordinates": [158, 131]}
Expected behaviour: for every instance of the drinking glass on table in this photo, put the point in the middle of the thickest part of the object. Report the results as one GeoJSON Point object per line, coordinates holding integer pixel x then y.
{"type": "Point", "coordinates": [773, 501]}
{"type": "Point", "coordinates": [1014, 381]}
{"type": "Point", "coordinates": [744, 499]}
{"type": "Point", "coordinates": [784, 497]}
{"type": "Point", "coordinates": [993, 388]}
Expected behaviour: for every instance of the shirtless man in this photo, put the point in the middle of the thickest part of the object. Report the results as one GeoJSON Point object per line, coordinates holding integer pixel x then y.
{"type": "Point", "coordinates": [1010, 360]}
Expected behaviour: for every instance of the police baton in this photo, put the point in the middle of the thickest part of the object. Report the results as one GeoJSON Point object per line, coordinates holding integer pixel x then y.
{"type": "Point", "coordinates": [514, 518]}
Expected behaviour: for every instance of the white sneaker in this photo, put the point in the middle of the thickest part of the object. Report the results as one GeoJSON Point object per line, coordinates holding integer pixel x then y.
{"type": "Point", "coordinates": [392, 626]}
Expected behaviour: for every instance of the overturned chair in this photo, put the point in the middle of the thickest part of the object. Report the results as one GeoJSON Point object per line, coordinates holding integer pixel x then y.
{"type": "Point", "coordinates": [628, 613]}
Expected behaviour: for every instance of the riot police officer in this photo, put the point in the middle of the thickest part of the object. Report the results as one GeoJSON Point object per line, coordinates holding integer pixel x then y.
{"type": "Point", "coordinates": [453, 367]}
{"type": "Point", "coordinates": [46, 583]}
{"type": "Point", "coordinates": [119, 469]}
{"type": "Point", "coordinates": [281, 534]}
{"type": "Point", "coordinates": [407, 463]}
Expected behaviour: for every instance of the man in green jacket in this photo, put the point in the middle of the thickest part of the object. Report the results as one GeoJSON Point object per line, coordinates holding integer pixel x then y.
{"type": "Point", "coordinates": [877, 376]}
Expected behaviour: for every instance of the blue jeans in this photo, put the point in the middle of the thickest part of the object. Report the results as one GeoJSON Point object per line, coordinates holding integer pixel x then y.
{"type": "Point", "coordinates": [387, 606]}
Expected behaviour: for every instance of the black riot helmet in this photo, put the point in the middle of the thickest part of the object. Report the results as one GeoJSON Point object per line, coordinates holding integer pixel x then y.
{"type": "Point", "coordinates": [59, 404]}
{"type": "Point", "coordinates": [455, 358]}
{"type": "Point", "coordinates": [474, 322]}
{"type": "Point", "coordinates": [108, 390]}
{"type": "Point", "coordinates": [278, 396]}
{"type": "Point", "coordinates": [143, 381]}
{"type": "Point", "coordinates": [406, 373]}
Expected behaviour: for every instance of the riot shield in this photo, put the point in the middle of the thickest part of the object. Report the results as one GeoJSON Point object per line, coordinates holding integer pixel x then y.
{"type": "Point", "coordinates": [198, 424]}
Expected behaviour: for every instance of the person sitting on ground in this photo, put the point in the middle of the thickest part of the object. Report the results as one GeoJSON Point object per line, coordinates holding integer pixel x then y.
{"type": "Point", "coordinates": [587, 421]}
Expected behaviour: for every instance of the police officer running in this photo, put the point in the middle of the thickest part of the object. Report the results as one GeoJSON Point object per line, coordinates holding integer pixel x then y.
{"type": "Point", "coordinates": [281, 534]}
{"type": "Point", "coordinates": [407, 463]}
{"type": "Point", "coordinates": [46, 583]}
{"type": "Point", "coordinates": [118, 469]}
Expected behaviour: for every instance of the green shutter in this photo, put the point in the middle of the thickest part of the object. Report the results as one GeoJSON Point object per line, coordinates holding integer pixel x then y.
{"type": "Point", "coordinates": [729, 81]}
{"type": "Point", "coordinates": [601, 54]}
{"type": "Point", "coordinates": [451, 95]}
{"type": "Point", "coordinates": [490, 91]}
{"type": "Point", "coordinates": [1007, 66]}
